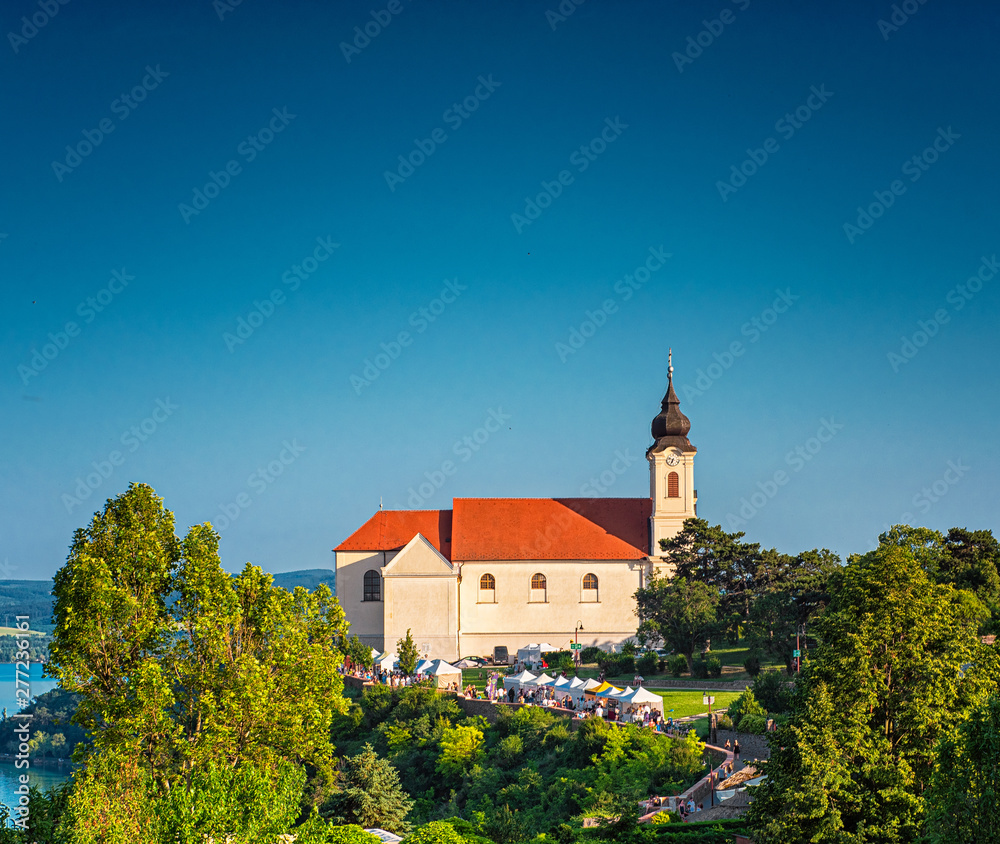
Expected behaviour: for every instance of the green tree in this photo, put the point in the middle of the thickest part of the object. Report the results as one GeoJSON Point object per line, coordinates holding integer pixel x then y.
{"type": "Point", "coordinates": [900, 666]}
{"type": "Point", "coordinates": [181, 667]}
{"type": "Point", "coordinates": [719, 560]}
{"type": "Point", "coordinates": [370, 794]}
{"type": "Point", "coordinates": [461, 748]}
{"type": "Point", "coordinates": [408, 654]}
{"type": "Point", "coordinates": [681, 611]}
{"type": "Point", "coordinates": [964, 795]}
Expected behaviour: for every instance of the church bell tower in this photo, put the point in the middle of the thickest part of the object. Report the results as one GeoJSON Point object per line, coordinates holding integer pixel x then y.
{"type": "Point", "coordinates": [671, 468]}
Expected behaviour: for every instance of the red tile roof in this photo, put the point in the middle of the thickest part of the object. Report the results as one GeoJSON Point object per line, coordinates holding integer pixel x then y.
{"type": "Point", "coordinates": [390, 530]}
{"type": "Point", "coordinates": [516, 529]}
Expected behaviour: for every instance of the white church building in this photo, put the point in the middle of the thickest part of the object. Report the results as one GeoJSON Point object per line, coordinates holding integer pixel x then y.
{"type": "Point", "coordinates": [514, 571]}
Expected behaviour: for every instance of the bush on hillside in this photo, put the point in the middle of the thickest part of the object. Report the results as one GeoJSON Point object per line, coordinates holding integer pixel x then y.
{"type": "Point", "coordinates": [752, 665]}
{"type": "Point", "coordinates": [714, 666]}
{"type": "Point", "coordinates": [646, 664]}
{"type": "Point", "coordinates": [772, 691]}
{"type": "Point", "coordinates": [678, 664]}
{"type": "Point", "coordinates": [745, 704]}
{"type": "Point", "coordinates": [559, 660]}
{"type": "Point", "coordinates": [616, 664]}
{"type": "Point", "coordinates": [755, 724]}
{"type": "Point", "coordinates": [590, 654]}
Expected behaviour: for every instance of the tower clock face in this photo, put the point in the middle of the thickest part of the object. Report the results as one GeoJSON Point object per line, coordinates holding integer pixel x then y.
{"type": "Point", "coordinates": [673, 459]}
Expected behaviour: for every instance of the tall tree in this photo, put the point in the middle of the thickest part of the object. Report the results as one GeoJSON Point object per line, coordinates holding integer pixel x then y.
{"type": "Point", "coordinates": [681, 611]}
{"type": "Point", "coordinates": [180, 666]}
{"type": "Point", "coordinates": [370, 794]}
{"type": "Point", "coordinates": [408, 654]}
{"type": "Point", "coordinates": [964, 796]}
{"type": "Point", "coordinates": [721, 561]}
{"type": "Point", "coordinates": [900, 665]}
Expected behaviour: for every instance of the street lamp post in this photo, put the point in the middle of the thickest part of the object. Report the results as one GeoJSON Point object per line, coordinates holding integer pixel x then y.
{"type": "Point", "coordinates": [576, 641]}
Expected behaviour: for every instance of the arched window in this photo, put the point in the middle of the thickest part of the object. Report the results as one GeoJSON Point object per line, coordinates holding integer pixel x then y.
{"type": "Point", "coordinates": [590, 581]}
{"type": "Point", "coordinates": [589, 589]}
{"type": "Point", "coordinates": [673, 485]}
{"type": "Point", "coordinates": [487, 589]}
{"type": "Point", "coordinates": [373, 586]}
{"type": "Point", "coordinates": [538, 591]}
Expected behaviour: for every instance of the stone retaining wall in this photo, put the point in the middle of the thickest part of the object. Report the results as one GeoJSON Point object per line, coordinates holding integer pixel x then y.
{"type": "Point", "coordinates": [751, 746]}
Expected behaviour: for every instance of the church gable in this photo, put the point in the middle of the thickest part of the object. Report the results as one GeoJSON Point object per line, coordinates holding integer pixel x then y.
{"type": "Point", "coordinates": [419, 558]}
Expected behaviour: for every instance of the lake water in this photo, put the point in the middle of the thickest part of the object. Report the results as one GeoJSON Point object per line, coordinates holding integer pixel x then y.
{"type": "Point", "coordinates": [42, 776]}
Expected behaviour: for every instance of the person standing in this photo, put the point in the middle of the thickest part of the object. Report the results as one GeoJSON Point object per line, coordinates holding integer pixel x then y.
{"type": "Point", "coordinates": [736, 750]}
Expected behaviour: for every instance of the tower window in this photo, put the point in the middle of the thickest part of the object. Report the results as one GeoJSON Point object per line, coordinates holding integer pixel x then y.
{"type": "Point", "coordinates": [373, 586]}
{"type": "Point", "coordinates": [673, 485]}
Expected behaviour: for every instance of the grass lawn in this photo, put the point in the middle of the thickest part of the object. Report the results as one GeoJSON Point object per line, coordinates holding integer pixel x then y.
{"type": "Point", "coordinates": [685, 703]}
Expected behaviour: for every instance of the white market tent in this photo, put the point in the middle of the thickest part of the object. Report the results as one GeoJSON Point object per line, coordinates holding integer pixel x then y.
{"type": "Point", "coordinates": [578, 686]}
{"type": "Point", "coordinates": [387, 662]}
{"type": "Point", "coordinates": [542, 679]}
{"type": "Point", "coordinates": [533, 653]}
{"type": "Point", "coordinates": [376, 653]}
{"type": "Point", "coordinates": [444, 673]}
{"type": "Point", "coordinates": [515, 681]}
{"type": "Point", "coordinates": [613, 691]}
{"type": "Point", "coordinates": [641, 696]}
{"type": "Point", "coordinates": [423, 665]}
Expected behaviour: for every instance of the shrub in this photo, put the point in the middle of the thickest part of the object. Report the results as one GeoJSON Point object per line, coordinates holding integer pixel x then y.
{"type": "Point", "coordinates": [725, 722]}
{"type": "Point", "coordinates": [752, 665]}
{"type": "Point", "coordinates": [436, 832]}
{"type": "Point", "coordinates": [678, 664]}
{"type": "Point", "coordinates": [559, 660]}
{"type": "Point", "coordinates": [700, 669]}
{"type": "Point", "coordinates": [660, 817]}
{"type": "Point", "coordinates": [509, 752]}
{"type": "Point", "coordinates": [756, 724]}
{"type": "Point", "coordinates": [590, 654]}
{"type": "Point", "coordinates": [745, 704]}
{"type": "Point", "coordinates": [614, 664]}
{"type": "Point", "coordinates": [646, 664]}
{"type": "Point", "coordinates": [771, 690]}
{"type": "Point", "coordinates": [714, 665]}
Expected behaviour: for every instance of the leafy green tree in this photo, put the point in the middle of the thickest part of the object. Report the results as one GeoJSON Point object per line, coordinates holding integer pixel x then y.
{"type": "Point", "coordinates": [461, 748]}
{"type": "Point", "coordinates": [719, 560]}
{"type": "Point", "coordinates": [900, 666]}
{"type": "Point", "coordinates": [181, 668]}
{"type": "Point", "coordinates": [358, 651]}
{"type": "Point", "coordinates": [745, 704]}
{"type": "Point", "coordinates": [370, 794]}
{"type": "Point", "coordinates": [681, 611]}
{"type": "Point", "coordinates": [964, 795]}
{"type": "Point", "coordinates": [408, 654]}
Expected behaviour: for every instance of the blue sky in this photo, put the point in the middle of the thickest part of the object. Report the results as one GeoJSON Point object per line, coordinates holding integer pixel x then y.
{"type": "Point", "coordinates": [261, 209]}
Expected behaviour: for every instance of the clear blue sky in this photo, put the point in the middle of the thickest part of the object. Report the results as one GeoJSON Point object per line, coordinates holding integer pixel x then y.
{"type": "Point", "coordinates": [547, 158]}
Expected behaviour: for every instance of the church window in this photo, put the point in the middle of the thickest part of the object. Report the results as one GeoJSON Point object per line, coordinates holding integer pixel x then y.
{"type": "Point", "coordinates": [373, 586]}
{"type": "Point", "coordinates": [590, 581]}
{"type": "Point", "coordinates": [589, 588]}
{"type": "Point", "coordinates": [538, 590]}
{"type": "Point", "coordinates": [673, 485]}
{"type": "Point", "coordinates": [487, 589]}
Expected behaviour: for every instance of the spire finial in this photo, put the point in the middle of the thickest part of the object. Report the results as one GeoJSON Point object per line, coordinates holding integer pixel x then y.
{"type": "Point", "coordinates": [670, 426]}
{"type": "Point", "coordinates": [670, 362]}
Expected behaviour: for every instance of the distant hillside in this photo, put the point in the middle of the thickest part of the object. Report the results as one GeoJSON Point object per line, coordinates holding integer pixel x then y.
{"type": "Point", "coordinates": [309, 578]}
{"type": "Point", "coordinates": [32, 598]}
{"type": "Point", "coordinates": [26, 597]}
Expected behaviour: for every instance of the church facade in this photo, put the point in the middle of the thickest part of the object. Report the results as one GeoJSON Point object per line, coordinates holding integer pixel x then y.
{"type": "Point", "coordinates": [515, 571]}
